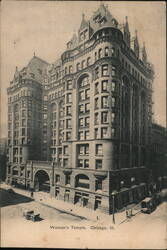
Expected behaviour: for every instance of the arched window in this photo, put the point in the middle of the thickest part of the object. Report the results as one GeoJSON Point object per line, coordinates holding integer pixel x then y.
{"type": "Point", "coordinates": [88, 61]}
{"type": "Point", "coordinates": [84, 81]}
{"type": "Point", "coordinates": [100, 53]}
{"type": "Point", "coordinates": [83, 64]}
{"type": "Point", "coordinates": [82, 181]}
{"type": "Point", "coordinates": [95, 56]}
{"type": "Point", "coordinates": [106, 51]}
{"type": "Point", "coordinates": [78, 67]}
{"type": "Point", "coordinates": [70, 69]}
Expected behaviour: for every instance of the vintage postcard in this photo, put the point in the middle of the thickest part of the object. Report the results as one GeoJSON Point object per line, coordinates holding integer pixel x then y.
{"type": "Point", "coordinates": [83, 152]}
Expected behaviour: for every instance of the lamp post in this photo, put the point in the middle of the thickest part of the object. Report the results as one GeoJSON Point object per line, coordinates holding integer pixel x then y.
{"type": "Point", "coordinates": [113, 205]}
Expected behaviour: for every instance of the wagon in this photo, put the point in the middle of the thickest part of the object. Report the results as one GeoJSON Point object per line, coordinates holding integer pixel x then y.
{"type": "Point", "coordinates": [31, 215]}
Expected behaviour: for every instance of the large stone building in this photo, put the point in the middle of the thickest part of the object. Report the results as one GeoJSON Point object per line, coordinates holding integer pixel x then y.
{"type": "Point", "coordinates": [158, 155]}
{"type": "Point", "coordinates": [3, 158]}
{"type": "Point", "coordinates": [80, 127]}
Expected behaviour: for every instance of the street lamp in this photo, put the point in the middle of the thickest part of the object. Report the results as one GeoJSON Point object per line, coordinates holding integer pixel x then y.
{"type": "Point", "coordinates": [113, 205]}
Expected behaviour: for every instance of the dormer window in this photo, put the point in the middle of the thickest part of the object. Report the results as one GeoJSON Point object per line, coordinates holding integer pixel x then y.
{"type": "Point", "coordinates": [84, 35]}
{"type": "Point", "coordinates": [100, 53]}
{"type": "Point", "coordinates": [40, 71]}
{"type": "Point", "coordinates": [32, 75]}
{"type": "Point", "coordinates": [106, 51]}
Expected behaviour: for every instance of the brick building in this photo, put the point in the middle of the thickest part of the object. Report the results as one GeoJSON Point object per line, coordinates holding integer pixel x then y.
{"type": "Point", "coordinates": [80, 127]}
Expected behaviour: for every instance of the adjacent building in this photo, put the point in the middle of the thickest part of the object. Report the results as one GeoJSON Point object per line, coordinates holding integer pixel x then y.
{"type": "Point", "coordinates": [80, 127]}
{"type": "Point", "coordinates": [3, 158]}
{"type": "Point", "coordinates": [158, 156]}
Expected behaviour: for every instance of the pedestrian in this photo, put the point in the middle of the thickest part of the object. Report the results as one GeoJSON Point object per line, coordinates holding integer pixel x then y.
{"type": "Point", "coordinates": [32, 194]}
{"type": "Point", "coordinates": [131, 212]}
{"type": "Point", "coordinates": [127, 216]}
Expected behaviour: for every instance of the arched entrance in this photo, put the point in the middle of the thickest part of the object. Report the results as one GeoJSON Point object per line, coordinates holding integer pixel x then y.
{"type": "Point", "coordinates": [42, 181]}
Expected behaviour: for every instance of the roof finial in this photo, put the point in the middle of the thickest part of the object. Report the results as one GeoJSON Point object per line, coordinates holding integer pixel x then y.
{"type": "Point", "coordinates": [34, 53]}
{"type": "Point", "coordinates": [83, 15]}
{"type": "Point", "coordinates": [16, 68]}
{"type": "Point", "coordinates": [126, 18]}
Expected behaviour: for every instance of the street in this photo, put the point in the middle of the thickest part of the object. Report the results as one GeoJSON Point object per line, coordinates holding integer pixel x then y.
{"type": "Point", "coordinates": [60, 229]}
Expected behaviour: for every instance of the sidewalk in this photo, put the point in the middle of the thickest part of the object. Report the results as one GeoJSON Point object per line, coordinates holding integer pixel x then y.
{"type": "Point", "coordinates": [69, 208]}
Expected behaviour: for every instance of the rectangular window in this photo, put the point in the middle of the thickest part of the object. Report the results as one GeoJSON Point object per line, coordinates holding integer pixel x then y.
{"type": "Point", "coordinates": [68, 123]}
{"type": "Point", "coordinates": [113, 71]}
{"type": "Point", "coordinates": [113, 102]}
{"type": "Point", "coordinates": [98, 185]}
{"type": "Point", "coordinates": [81, 95]}
{"type": "Point", "coordinates": [87, 134]}
{"type": "Point", "coordinates": [96, 118]}
{"type": "Point", "coordinates": [45, 116]}
{"type": "Point", "coordinates": [81, 150]}
{"type": "Point", "coordinates": [68, 112]}
{"type": "Point", "coordinates": [87, 93]}
{"type": "Point", "coordinates": [104, 102]}
{"type": "Point", "coordinates": [113, 85]}
{"type": "Point", "coordinates": [57, 178]}
{"type": "Point", "coordinates": [67, 179]}
{"type": "Point", "coordinates": [113, 117]}
{"type": "Point", "coordinates": [81, 123]}
{"type": "Point", "coordinates": [87, 107]}
{"type": "Point", "coordinates": [87, 149]}
{"type": "Point", "coordinates": [96, 103]}
{"type": "Point", "coordinates": [96, 88]}
{"type": "Point", "coordinates": [65, 150]}
{"type": "Point", "coordinates": [87, 121]}
{"type": "Point", "coordinates": [113, 132]}
{"type": "Point", "coordinates": [65, 162]}
{"type": "Point", "coordinates": [69, 85]}
{"type": "Point", "coordinates": [68, 135]}
{"type": "Point", "coordinates": [86, 164]}
{"type": "Point", "coordinates": [99, 149]}
{"type": "Point", "coordinates": [104, 85]}
{"type": "Point", "coordinates": [69, 98]}
{"type": "Point", "coordinates": [81, 135]}
{"type": "Point", "coordinates": [104, 132]}
{"type": "Point", "coordinates": [96, 73]}
{"type": "Point", "coordinates": [99, 164]}
{"type": "Point", "coordinates": [80, 163]}
{"type": "Point", "coordinates": [96, 133]}
{"type": "Point", "coordinates": [23, 131]}
{"type": "Point", "coordinates": [105, 70]}
{"type": "Point", "coordinates": [81, 108]}
{"type": "Point", "coordinates": [104, 117]}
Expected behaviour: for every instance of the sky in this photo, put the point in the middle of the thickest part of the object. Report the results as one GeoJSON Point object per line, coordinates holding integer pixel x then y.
{"type": "Point", "coordinates": [44, 27]}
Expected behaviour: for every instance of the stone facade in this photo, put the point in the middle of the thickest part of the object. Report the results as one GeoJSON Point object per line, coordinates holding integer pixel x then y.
{"type": "Point", "coordinates": [84, 121]}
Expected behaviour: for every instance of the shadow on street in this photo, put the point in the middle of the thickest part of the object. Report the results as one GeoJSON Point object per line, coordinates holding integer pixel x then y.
{"type": "Point", "coordinates": [7, 198]}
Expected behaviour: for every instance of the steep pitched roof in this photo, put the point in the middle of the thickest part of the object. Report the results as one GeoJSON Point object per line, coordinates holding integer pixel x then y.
{"type": "Point", "coordinates": [36, 69]}
{"type": "Point", "coordinates": [102, 18]}
{"type": "Point", "coordinates": [84, 23]}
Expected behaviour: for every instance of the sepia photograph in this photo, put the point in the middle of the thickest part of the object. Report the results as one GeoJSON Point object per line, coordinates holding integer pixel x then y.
{"type": "Point", "coordinates": [83, 138]}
